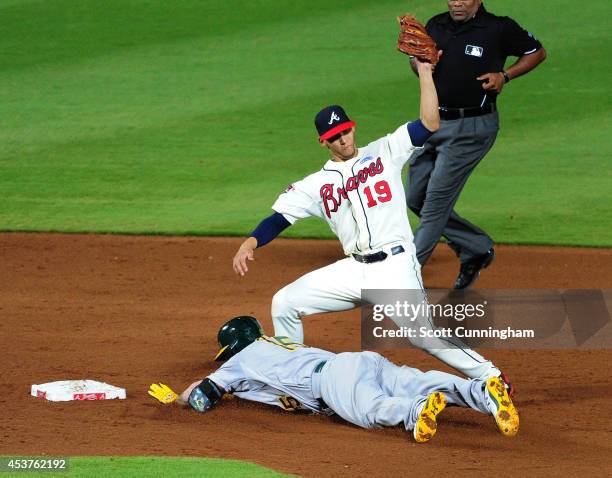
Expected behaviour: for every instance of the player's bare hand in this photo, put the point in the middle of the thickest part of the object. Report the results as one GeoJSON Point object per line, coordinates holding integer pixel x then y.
{"type": "Point", "coordinates": [243, 255]}
{"type": "Point", "coordinates": [240, 261]}
{"type": "Point", "coordinates": [423, 66]}
{"type": "Point", "coordinates": [492, 81]}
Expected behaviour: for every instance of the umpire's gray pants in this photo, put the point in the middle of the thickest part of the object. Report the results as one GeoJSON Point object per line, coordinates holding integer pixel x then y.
{"type": "Point", "coordinates": [436, 176]}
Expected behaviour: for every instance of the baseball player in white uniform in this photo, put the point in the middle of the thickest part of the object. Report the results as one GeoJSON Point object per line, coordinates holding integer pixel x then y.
{"type": "Point", "coordinates": [363, 388]}
{"type": "Point", "coordinates": [359, 193]}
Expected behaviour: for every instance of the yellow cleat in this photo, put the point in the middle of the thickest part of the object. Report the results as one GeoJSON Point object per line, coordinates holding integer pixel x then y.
{"type": "Point", "coordinates": [501, 407]}
{"type": "Point", "coordinates": [425, 427]}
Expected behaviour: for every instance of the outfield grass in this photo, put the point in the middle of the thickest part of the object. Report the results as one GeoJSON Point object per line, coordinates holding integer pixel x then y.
{"type": "Point", "coordinates": [111, 467]}
{"type": "Point", "coordinates": [191, 117]}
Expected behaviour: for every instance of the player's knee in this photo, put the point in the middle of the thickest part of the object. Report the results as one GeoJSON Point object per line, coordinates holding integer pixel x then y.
{"type": "Point", "coordinates": [387, 412]}
{"type": "Point", "coordinates": [282, 307]}
{"type": "Point", "coordinates": [286, 317]}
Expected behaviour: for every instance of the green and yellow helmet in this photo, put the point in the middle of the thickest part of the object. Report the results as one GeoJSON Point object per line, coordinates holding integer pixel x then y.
{"type": "Point", "coordinates": [236, 334]}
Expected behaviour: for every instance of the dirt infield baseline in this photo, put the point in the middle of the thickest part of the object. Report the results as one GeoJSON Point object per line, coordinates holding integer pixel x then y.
{"type": "Point", "coordinates": [134, 310]}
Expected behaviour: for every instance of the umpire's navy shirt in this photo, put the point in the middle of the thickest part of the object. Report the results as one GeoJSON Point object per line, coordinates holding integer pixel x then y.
{"type": "Point", "coordinates": [473, 48]}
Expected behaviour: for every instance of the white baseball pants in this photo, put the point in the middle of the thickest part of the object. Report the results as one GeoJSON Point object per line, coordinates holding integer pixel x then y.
{"type": "Point", "coordinates": [337, 287]}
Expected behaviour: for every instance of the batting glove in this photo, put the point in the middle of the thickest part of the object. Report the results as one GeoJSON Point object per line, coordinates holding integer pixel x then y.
{"type": "Point", "coordinates": [162, 393]}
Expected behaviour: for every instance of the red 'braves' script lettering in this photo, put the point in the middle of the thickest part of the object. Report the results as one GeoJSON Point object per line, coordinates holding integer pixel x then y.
{"type": "Point", "coordinates": [332, 202]}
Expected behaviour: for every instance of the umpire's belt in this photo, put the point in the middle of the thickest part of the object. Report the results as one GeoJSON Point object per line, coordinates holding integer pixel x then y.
{"type": "Point", "coordinates": [458, 113]}
{"type": "Point", "coordinates": [378, 256]}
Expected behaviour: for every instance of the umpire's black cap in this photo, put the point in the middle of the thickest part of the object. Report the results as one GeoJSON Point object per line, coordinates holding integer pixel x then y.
{"type": "Point", "coordinates": [332, 120]}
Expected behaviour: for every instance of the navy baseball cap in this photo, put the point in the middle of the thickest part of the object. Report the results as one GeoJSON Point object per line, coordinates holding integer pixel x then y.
{"type": "Point", "coordinates": [332, 120]}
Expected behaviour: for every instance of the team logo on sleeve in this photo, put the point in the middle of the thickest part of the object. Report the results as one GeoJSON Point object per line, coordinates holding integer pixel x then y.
{"type": "Point", "coordinates": [474, 50]}
{"type": "Point", "coordinates": [291, 187]}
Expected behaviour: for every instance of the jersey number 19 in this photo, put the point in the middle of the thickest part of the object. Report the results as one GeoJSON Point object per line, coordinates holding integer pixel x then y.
{"type": "Point", "coordinates": [382, 190]}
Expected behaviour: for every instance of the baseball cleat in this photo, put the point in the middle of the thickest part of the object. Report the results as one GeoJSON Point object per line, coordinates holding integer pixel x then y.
{"type": "Point", "coordinates": [501, 407]}
{"type": "Point", "coordinates": [504, 378]}
{"type": "Point", "coordinates": [470, 270]}
{"type": "Point", "coordinates": [425, 427]}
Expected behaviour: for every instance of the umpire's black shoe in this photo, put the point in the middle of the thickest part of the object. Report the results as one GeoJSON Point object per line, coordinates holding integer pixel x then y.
{"type": "Point", "coordinates": [470, 270]}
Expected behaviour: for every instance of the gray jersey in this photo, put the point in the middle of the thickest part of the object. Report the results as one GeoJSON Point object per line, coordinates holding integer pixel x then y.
{"type": "Point", "coordinates": [276, 371]}
{"type": "Point", "coordinates": [364, 388]}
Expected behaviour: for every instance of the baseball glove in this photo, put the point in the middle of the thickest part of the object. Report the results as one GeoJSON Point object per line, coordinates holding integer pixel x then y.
{"type": "Point", "coordinates": [414, 40]}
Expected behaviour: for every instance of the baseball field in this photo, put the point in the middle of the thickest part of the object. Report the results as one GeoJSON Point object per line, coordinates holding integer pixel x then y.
{"type": "Point", "coordinates": [140, 140]}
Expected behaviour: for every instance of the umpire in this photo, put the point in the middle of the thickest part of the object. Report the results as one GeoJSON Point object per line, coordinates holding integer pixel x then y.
{"type": "Point", "coordinates": [468, 78]}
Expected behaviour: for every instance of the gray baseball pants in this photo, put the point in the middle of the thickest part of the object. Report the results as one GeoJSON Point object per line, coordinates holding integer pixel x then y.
{"type": "Point", "coordinates": [368, 390]}
{"type": "Point", "coordinates": [436, 177]}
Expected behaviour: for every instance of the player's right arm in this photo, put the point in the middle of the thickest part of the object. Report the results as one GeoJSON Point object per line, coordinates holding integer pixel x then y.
{"type": "Point", "coordinates": [245, 252]}
{"type": "Point", "coordinates": [201, 396]}
{"type": "Point", "coordinates": [295, 203]}
{"type": "Point", "coordinates": [267, 230]}
{"type": "Point", "coordinates": [183, 398]}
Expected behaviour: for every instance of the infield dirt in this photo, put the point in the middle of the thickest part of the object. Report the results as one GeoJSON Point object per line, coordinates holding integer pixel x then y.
{"type": "Point", "coordinates": [134, 310]}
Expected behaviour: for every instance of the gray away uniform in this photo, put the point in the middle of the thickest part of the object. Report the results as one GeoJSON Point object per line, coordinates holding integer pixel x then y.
{"type": "Point", "coordinates": [363, 388]}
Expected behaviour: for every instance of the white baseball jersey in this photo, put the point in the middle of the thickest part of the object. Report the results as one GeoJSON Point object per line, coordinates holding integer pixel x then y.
{"type": "Point", "coordinates": [362, 199]}
{"type": "Point", "coordinates": [275, 371]}
{"type": "Point", "coordinates": [364, 203]}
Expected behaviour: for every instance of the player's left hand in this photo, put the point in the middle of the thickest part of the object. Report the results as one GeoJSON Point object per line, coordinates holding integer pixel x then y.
{"type": "Point", "coordinates": [162, 393]}
{"type": "Point", "coordinates": [423, 66]}
{"type": "Point", "coordinates": [492, 81]}
{"type": "Point", "coordinates": [416, 63]}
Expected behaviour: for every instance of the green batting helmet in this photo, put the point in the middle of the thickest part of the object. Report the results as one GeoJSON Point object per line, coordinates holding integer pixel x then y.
{"type": "Point", "coordinates": [236, 334]}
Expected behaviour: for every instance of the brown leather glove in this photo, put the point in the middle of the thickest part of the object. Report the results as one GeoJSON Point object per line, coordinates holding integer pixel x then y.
{"type": "Point", "coordinates": [414, 40]}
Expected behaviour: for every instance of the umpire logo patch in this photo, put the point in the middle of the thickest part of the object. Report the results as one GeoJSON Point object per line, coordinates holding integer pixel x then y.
{"type": "Point", "coordinates": [474, 50]}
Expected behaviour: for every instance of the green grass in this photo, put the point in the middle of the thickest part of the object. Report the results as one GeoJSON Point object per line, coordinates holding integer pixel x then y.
{"type": "Point", "coordinates": [191, 117]}
{"type": "Point", "coordinates": [111, 467]}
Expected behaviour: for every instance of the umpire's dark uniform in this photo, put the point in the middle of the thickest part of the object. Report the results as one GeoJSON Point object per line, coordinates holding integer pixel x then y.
{"type": "Point", "coordinates": [469, 125]}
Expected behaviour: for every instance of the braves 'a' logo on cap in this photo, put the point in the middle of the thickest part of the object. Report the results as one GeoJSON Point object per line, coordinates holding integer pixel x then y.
{"type": "Point", "coordinates": [334, 117]}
